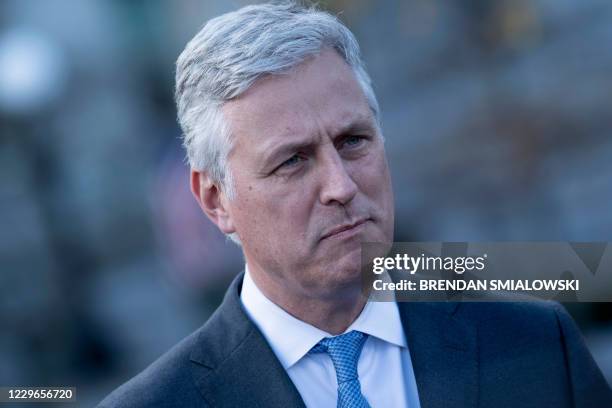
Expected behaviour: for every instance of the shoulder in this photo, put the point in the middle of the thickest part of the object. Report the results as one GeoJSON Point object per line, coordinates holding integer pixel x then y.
{"type": "Point", "coordinates": [167, 382]}
{"type": "Point", "coordinates": [177, 377]}
{"type": "Point", "coordinates": [531, 332]}
{"type": "Point", "coordinates": [527, 320]}
{"type": "Point", "coordinates": [509, 309]}
{"type": "Point", "coordinates": [536, 340]}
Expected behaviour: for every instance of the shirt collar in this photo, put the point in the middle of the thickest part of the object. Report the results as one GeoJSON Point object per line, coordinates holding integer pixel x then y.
{"type": "Point", "coordinates": [291, 338]}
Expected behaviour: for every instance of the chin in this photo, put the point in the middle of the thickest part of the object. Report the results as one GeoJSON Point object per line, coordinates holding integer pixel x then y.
{"type": "Point", "coordinates": [339, 269]}
{"type": "Point", "coordinates": [342, 273]}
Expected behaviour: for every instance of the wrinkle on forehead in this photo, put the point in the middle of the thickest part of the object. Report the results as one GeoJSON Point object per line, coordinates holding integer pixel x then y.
{"type": "Point", "coordinates": [269, 111]}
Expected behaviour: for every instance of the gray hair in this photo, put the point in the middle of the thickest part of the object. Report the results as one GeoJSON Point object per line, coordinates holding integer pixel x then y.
{"type": "Point", "coordinates": [235, 49]}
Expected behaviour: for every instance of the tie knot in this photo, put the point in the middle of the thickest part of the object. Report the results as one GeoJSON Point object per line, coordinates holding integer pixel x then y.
{"type": "Point", "coordinates": [344, 351]}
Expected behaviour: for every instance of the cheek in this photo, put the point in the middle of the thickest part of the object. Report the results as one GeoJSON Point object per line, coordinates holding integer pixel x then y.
{"type": "Point", "coordinates": [374, 180]}
{"type": "Point", "coordinates": [373, 177]}
{"type": "Point", "coordinates": [272, 215]}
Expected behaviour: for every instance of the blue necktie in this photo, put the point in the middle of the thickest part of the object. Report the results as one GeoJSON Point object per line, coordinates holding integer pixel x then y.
{"type": "Point", "coordinates": [344, 351]}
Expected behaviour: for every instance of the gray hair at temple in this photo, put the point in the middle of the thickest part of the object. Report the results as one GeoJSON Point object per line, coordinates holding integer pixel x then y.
{"type": "Point", "coordinates": [235, 49]}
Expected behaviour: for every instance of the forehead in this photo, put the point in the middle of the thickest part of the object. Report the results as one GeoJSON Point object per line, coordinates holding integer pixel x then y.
{"type": "Point", "coordinates": [319, 96]}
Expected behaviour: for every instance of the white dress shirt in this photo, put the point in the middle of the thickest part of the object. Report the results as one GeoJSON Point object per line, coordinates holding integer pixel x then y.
{"type": "Point", "coordinates": [385, 369]}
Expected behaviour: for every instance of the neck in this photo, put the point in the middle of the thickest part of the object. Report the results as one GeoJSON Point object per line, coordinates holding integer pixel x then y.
{"type": "Point", "coordinates": [332, 314]}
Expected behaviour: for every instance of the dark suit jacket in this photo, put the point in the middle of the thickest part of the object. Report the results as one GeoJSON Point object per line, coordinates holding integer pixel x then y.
{"type": "Point", "coordinates": [506, 354]}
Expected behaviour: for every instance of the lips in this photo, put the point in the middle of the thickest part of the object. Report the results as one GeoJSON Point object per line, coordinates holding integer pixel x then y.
{"type": "Point", "coordinates": [343, 228]}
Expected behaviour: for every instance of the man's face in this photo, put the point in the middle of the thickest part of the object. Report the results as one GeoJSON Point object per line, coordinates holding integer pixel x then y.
{"type": "Point", "coordinates": [310, 176]}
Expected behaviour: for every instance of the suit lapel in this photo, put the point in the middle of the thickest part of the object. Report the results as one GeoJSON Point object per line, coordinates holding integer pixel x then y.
{"type": "Point", "coordinates": [443, 350]}
{"type": "Point", "coordinates": [235, 366]}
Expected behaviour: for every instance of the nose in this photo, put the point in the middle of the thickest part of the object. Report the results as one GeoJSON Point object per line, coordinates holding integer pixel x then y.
{"type": "Point", "coordinates": [337, 185]}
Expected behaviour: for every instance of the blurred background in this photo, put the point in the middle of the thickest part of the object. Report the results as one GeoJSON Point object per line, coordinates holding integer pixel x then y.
{"type": "Point", "coordinates": [497, 115]}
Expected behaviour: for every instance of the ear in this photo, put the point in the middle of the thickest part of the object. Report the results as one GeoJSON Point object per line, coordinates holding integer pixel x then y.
{"type": "Point", "coordinates": [212, 200]}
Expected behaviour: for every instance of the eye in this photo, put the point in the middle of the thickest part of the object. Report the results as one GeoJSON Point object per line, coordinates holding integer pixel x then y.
{"type": "Point", "coordinates": [292, 161]}
{"type": "Point", "coordinates": [353, 141]}
{"type": "Point", "coordinates": [290, 164]}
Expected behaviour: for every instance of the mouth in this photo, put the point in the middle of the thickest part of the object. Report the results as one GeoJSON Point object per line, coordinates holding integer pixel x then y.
{"type": "Point", "coordinates": [345, 229]}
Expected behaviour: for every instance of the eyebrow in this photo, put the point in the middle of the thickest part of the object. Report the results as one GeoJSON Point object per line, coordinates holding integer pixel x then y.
{"type": "Point", "coordinates": [360, 124]}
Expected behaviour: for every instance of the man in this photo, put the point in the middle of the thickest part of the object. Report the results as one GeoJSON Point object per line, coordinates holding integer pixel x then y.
{"type": "Point", "coordinates": [282, 132]}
